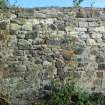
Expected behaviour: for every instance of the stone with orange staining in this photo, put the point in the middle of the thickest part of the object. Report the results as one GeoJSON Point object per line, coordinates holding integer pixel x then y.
{"type": "Point", "coordinates": [72, 63]}
{"type": "Point", "coordinates": [68, 53]}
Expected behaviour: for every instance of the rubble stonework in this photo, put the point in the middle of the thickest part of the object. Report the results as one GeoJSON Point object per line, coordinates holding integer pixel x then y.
{"type": "Point", "coordinates": [41, 45]}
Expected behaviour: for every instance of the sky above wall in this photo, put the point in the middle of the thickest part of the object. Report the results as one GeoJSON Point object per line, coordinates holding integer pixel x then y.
{"type": "Point", "coordinates": [55, 3]}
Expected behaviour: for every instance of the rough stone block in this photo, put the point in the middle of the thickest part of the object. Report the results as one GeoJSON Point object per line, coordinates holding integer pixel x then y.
{"type": "Point", "coordinates": [91, 42]}
{"type": "Point", "coordinates": [101, 66]}
{"type": "Point", "coordinates": [80, 29]}
{"type": "Point", "coordinates": [14, 26]}
{"type": "Point", "coordinates": [100, 29]}
{"type": "Point", "coordinates": [23, 44]}
{"type": "Point", "coordinates": [96, 36]}
{"type": "Point", "coordinates": [99, 74]}
{"type": "Point", "coordinates": [83, 24]}
{"type": "Point", "coordinates": [3, 25]}
{"type": "Point", "coordinates": [93, 24]}
{"type": "Point", "coordinates": [27, 26]}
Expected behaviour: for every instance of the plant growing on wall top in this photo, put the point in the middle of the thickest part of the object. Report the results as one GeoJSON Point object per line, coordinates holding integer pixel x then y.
{"type": "Point", "coordinates": [77, 3]}
{"type": "Point", "coordinates": [3, 4]}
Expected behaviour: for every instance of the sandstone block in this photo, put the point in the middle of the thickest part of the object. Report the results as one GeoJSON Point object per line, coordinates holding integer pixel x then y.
{"type": "Point", "coordinates": [27, 26]}
{"type": "Point", "coordinates": [14, 27]}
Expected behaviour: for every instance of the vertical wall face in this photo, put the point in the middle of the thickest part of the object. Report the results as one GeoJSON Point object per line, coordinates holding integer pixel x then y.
{"type": "Point", "coordinates": [43, 45]}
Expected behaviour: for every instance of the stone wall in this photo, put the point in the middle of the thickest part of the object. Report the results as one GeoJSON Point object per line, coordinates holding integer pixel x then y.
{"type": "Point", "coordinates": [44, 45]}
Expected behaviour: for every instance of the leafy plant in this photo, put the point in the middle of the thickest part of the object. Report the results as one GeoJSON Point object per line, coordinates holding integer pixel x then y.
{"type": "Point", "coordinates": [3, 4]}
{"type": "Point", "coordinates": [76, 3]}
{"type": "Point", "coordinates": [71, 95]}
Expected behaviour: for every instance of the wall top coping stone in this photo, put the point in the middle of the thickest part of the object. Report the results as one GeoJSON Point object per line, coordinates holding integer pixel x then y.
{"type": "Point", "coordinates": [46, 12]}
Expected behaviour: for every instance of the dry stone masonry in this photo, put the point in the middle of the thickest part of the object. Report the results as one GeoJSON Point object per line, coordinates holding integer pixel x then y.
{"type": "Point", "coordinates": [44, 45]}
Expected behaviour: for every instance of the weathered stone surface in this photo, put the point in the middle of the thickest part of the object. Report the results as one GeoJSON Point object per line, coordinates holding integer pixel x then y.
{"type": "Point", "coordinates": [101, 66]}
{"type": "Point", "coordinates": [3, 25]}
{"type": "Point", "coordinates": [15, 27]}
{"type": "Point", "coordinates": [78, 29]}
{"type": "Point", "coordinates": [59, 64]}
{"type": "Point", "coordinates": [91, 42]}
{"type": "Point", "coordinates": [97, 29]}
{"type": "Point", "coordinates": [96, 36]}
{"type": "Point", "coordinates": [31, 35]}
{"type": "Point", "coordinates": [27, 26]}
{"type": "Point", "coordinates": [21, 36]}
{"type": "Point", "coordinates": [83, 24]}
{"type": "Point", "coordinates": [93, 24]}
{"type": "Point", "coordinates": [39, 45]}
{"type": "Point", "coordinates": [23, 44]}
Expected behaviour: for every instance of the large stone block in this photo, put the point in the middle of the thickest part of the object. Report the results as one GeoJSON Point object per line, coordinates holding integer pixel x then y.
{"type": "Point", "coordinates": [83, 24]}
{"type": "Point", "coordinates": [80, 29]}
{"type": "Point", "coordinates": [23, 44]}
{"type": "Point", "coordinates": [100, 29]}
{"type": "Point", "coordinates": [96, 36]}
{"type": "Point", "coordinates": [3, 25]}
{"type": "Point", "coordinates": [91, 42]}
{"type": "Point", "coordinates": [93, 24]}
{"type": "Point", "coordinates": [27, 26]}
{"type": "Point", "coordinates": [14, 26]}
{"type": "Point", "coordinates": [31, 35]}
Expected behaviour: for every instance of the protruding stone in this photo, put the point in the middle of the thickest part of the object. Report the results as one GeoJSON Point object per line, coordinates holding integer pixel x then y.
{"type": "Point", "coordinates": [93, 24]}
{"type": "Point", "coordinates": [81, 29]}
{"type": "Point", "coordinates": [83, 24]}
{"type": "Point", "coordinates": [46, 63]}
{"type": "Point", "coordinates": [101, 66]}
{"type": "Point", "coordinates": [23, 44]}
{"type": "Point", "coordinates": [96, 36]}
{"type": "Point", "coordinates": [27, 26]}
{"type": "Point", "coordinates": [91, 42]}
{"type": "Point", "coordinates": [59, 64]}
{"type": "Point", "coordinates": [14, 27]}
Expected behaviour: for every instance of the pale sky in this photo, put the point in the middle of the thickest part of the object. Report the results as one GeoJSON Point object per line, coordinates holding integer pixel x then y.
{"type": "Point", "coordinates": [55, 3]}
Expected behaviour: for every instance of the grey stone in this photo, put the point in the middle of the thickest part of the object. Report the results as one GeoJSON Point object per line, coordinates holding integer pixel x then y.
{"type": "Point", "coordinates": [23, 44]}
{"type": "Point", "coordinates": [81, 29]}
{"type": "Point", "coordinates": [31, 35]}
{"type": "Point", "coordinates": [61, 27]}
{"type": "Point", "coordinates": [45, 44]}
{"type": "Point", "coordinates": [103, 36]}
{"type": "Point", "coordinates": [93, 24]}
{"type": "Point", "coordinates": [21, 36]}
{"type": "Point", "coordinates": [83, 36]}
{"type": "Point", "coordinates": [83, 24]}
{"type": "Point", "coordinates": [21, 68]}
{"type": "Point", "coordinates": [3, 25]}
{"type": "Point", "coordinates": [100, 59]}
{"type": "Point", "coordinates": [13, 16]}
{"type": "Point", "coordinates": [91, 42]}
{"type": "Point", "coordinates": [53, 27]}
{"type": "Point", "coordinates": [96, 36]}
{"type": "Point", "coordinates": [19, 53]}
{"type": "Point", "coordinates": [101, 66]}
{"type": "Point", "coordinates": [59, 63]}
{"type": "Point", "coordinates": [40, 15]}
{"type": "Point", "coordinates": [46, 63]}
{"type": "Point", "coordinates": [54, 42]}
{"type": "Point", "coordinates": [100, 29]}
